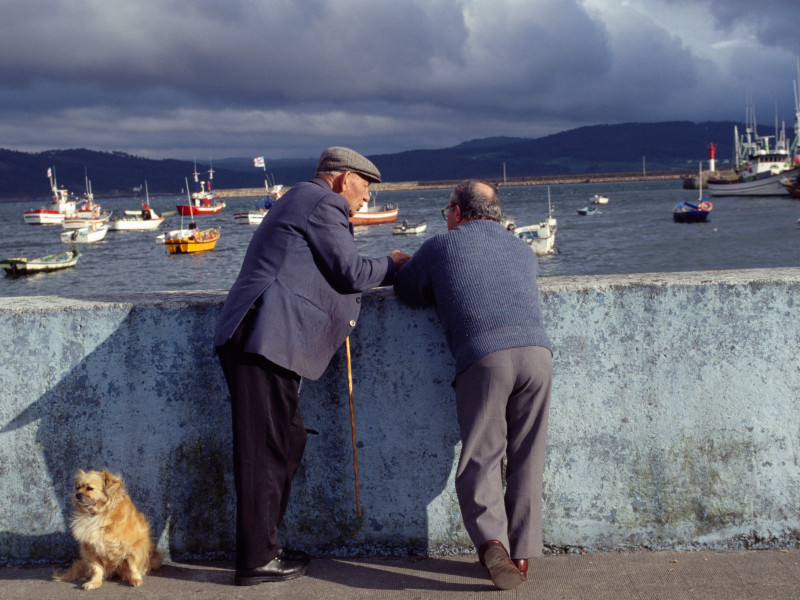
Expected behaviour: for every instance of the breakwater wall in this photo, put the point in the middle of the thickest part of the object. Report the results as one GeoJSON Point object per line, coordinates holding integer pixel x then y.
{"type": "Point", "coordinates": [568, 178]}
{"type": "Point", "coordinates": [675, 420]}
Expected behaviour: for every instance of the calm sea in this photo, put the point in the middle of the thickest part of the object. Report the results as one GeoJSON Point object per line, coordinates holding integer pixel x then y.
{"type": "Point", "coordinates": [634, 233]}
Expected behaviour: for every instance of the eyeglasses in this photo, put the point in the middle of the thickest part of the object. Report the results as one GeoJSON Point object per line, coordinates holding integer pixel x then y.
{"type": "Point", "coordinates": [446, 210]}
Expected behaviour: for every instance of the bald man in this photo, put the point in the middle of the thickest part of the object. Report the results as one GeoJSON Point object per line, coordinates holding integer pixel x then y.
{"type": "Point", "coordinates": [482, 281]}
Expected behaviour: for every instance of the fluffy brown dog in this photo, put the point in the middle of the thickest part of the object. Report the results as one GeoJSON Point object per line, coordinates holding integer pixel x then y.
{"type": "Point", "coordinates": [114, 536]}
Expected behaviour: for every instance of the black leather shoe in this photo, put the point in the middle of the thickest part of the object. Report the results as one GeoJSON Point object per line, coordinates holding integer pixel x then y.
{"type": "Point", "coordinates": [295, 555]}
{"type": "Point", "coordinates": [278, 569]}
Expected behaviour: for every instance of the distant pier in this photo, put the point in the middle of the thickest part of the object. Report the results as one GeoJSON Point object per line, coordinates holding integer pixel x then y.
{"type": "Point", "coordinates": [571, 178]}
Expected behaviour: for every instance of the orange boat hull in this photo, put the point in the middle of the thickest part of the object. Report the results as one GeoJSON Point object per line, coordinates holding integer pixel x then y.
{"type": "Point", "coordinates": [374, 218]}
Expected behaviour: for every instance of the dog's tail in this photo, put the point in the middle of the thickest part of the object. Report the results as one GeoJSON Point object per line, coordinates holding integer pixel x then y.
{"type": "Point", "coordinates": [78, 570]}
{"type": "Point", "coordinates": [156, 559]}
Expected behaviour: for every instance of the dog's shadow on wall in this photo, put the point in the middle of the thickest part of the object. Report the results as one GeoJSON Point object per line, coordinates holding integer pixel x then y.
{"type": "Point", "coordinates": [120, 392]}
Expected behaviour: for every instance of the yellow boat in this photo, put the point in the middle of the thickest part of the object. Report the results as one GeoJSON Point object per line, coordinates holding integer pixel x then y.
{"type": "Point", "coordinates": [198, 241]}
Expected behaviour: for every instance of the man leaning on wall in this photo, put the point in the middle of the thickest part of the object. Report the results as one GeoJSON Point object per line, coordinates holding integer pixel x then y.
{"type": "Point", "coordinates": [482, 282]}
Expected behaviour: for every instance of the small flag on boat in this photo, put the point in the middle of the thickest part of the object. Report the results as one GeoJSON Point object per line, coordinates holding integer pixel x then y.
{"type": "Point", "coordinates": [49, 173]}
{"type": "Point", "coordinates": [258, 161]}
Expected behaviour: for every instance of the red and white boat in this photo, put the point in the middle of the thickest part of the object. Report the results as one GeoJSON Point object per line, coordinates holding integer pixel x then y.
{"type": "Point", "coordinates": [54, 214]}
{"type": "Point", "coordinates": [88, 213]}
{"type": "Point", "coordinates": [202, 202]}
{"type": "Point", "coordinates": [370, 214]}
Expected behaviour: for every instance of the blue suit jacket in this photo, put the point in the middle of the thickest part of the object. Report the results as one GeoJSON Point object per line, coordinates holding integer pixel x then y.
{"type": "Point", "coordinates": [303, 276]}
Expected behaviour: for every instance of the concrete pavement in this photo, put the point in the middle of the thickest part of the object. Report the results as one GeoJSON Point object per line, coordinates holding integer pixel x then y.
{"type": "Point", "coordinates": [725, 575]}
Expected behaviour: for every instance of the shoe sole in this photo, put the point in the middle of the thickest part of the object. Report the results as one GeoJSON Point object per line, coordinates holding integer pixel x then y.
{"type": "Point", "coordinates": [504, 574]}
{"type": "Point", "coordinates": [267, 578]}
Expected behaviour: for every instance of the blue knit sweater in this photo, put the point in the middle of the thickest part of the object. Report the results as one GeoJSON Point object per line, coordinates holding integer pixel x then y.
{"type": "Point", "coordinates": [482, 280]}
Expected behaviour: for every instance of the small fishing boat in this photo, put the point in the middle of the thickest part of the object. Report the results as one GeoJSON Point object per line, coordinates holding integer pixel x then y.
{"type": "Point", "coordinates": [599, 199]}
{"type": "Point", "coordinates": [541, 237]}
{"type": "Point", "coordinates": [274, 192]}
{"type": "Point", "coordinates": [87, 235]}
{"type": "Point", "coordinates": [255, 216]}
{"type": "Point", "coordinates": [198, 241]}
{"type": "Point", "coordinates": [688, 212]}
{"type": "Point", "coordinates": [409, 228]}
{"type": "Point", "coordinates": [250, 217]}
{"type": "Point", "coordinates": [145, 220]}
{"type": "Point", "coordinates": [202, 201]}
{"type": "Point", "coordinates": [370, 214]}
{"type": "Point", "coordinates": [54, 214]}
{"type": "Point", "coordinates": [588, 210]}
{"type": "Point", "coordinates": [51, 262]}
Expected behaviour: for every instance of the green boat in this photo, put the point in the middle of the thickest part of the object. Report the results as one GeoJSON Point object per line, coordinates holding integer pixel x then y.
{"type": "Point", "coordinates": [51, 262]}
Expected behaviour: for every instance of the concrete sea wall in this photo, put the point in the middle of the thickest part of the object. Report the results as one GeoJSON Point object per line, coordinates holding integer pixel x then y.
{"type": "Point", "coordinates": [675, 420]}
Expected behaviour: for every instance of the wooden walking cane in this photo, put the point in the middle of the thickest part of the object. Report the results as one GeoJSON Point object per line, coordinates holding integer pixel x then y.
{"type": "Point", "coordinates": [352, 421]}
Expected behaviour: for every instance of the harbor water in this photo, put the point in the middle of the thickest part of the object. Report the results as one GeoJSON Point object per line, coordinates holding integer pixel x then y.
{"type": "Point", "coordinates": [633, 233]}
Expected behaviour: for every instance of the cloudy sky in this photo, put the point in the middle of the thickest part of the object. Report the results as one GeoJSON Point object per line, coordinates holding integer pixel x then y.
{"type": "Point", "coordinates": [212, 79]}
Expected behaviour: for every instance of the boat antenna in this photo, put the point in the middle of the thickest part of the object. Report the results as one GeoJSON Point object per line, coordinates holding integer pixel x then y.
{"type": "Point", "coordinates": [189, 197]}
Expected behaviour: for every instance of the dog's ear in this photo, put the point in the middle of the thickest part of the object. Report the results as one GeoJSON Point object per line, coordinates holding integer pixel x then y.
{"type": "Point", "coordinates": [78, 476]}
{"type": "Point", "coordinates": [111, 483]}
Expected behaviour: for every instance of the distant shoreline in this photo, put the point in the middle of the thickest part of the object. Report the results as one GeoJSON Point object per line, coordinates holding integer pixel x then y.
{"type": "Point", "coordinates": [510, 181]}
{"type": "Point", "coordinates": [575, 178]}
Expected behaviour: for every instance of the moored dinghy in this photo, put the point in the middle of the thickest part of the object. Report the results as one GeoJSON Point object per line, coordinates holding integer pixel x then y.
{"type": "Point", "coordinates": [87, 235]}
{"type": "Point", "coordinates": [687, 212]}
{"type": "Point", "coordinates": [51, 262]}
{"type": "Point", "coordinates": [409, 228]}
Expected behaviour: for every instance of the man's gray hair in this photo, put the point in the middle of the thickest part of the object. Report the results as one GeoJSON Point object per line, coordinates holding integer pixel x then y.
{"type": "Point", "coordinates": [476, 201]}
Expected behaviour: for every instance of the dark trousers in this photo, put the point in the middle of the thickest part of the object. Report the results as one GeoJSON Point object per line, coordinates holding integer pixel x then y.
{"type": "Point", "coordinates": [268, 443]}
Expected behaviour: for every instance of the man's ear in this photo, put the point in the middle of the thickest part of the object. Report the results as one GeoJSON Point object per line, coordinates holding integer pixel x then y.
{"type": "Point", "coordinates": [340, 183]}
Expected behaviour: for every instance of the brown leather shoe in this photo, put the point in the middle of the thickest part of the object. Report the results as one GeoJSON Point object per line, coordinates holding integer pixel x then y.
{"type": "Point", "coordinates": [503, 572]}
{"type": "Point", "coordinates": [522, 565]}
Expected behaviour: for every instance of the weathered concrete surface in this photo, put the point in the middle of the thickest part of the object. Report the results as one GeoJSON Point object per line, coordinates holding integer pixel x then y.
{"type": "Point", "coordinates": [674, 421]}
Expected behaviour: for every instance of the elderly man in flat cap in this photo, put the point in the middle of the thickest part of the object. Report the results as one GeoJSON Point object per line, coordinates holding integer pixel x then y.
{"type": "Point", "coordinates": [295, 301]}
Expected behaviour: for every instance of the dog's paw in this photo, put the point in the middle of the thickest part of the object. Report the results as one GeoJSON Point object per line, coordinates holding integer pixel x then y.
{"type": "Point", "coordinates": [136, 582]}
{"type": "Point", "coordinates": [92, 585]}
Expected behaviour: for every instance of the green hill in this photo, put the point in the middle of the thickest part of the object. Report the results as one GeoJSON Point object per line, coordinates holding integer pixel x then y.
{"type": "Point", "coordinates": [677, 145]}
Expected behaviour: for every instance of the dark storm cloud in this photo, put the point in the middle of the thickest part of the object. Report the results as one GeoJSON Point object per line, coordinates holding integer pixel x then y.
{"type": "Point", "coordinates": [189, 78]}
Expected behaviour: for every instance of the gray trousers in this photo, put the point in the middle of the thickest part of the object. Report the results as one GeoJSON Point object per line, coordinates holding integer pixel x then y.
{"type": "Point", "coordinates": [503, 402]}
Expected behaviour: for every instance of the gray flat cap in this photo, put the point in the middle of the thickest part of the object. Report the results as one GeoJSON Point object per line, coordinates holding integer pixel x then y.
{"type": "Point", "coordinates": [339, 158]}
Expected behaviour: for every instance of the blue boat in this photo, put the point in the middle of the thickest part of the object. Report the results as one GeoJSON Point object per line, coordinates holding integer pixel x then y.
{"type": "Point", "coordinates": [686, 212]}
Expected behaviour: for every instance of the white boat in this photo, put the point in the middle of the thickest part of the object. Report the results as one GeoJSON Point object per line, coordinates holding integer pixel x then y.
{"type": "Point", "coordinates": [145, 220]}
{"type": "Point", "coordinates": [54, 214]}
{"type": "Point", "coordinates": [87, 235]}
{"type": "Point", "coordinates": [541, 237]}
{"type": "Point", "coordinates": [409, 228]}
{"type": "Point", "coordinates": [255, 216]}
{"type": "Point", "coordinates": [249, 217]}
{"type": "Point", "coordinates": [599, 199]}
{"type": "Point", "coordinates": [761, 166]}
